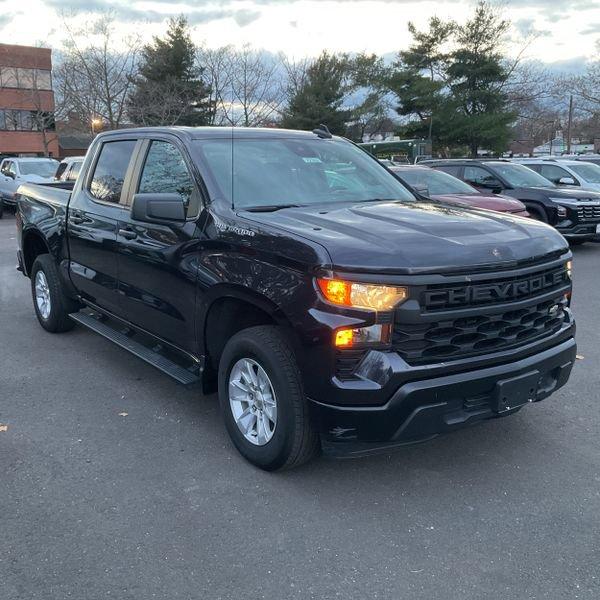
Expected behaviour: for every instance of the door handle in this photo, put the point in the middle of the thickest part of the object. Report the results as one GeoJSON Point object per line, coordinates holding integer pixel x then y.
{"type": "Point", "coordinates": [128, 234]}
{"type": "Point", "coordinates": [76, 220]}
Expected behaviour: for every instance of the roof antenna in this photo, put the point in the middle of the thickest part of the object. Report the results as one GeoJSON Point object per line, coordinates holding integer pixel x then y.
{"type": "Point", "coordinates": [322, 131]}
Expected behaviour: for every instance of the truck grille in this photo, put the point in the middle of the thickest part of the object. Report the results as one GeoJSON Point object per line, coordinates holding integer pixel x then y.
{"type": "Point", "coordinates": [492, 331]}
{"type": "Point", "coordinates": [588, 213]}
{"type": "Point", "coordinates": [494, 291]}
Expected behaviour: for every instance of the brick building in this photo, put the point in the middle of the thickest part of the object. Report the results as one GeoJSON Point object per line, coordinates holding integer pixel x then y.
{"type": "Point", "coordinates": [26, 101]}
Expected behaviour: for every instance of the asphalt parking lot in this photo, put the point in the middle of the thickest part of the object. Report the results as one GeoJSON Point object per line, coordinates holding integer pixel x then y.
{"type": "Point", "coordinates": [116, 482]}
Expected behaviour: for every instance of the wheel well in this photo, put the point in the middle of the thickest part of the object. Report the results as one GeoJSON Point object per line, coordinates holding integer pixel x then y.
{"type": "Point", "coordinates": [224, 319]}
{"type": "Point", "coordinates": [537, 208]}
{"type": "Point", "coordinates": [33, 246]}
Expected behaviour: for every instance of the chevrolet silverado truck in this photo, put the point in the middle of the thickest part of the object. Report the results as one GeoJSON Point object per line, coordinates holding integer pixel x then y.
{"type": "Point", "coordinates": [331, 307]}
{"type": "Point", "coordinates": [574, 212]}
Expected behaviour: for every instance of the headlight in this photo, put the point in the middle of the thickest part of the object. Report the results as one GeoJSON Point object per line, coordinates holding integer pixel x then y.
{"type": "Point", "coordinates": [569, 266]}
{"type": "Point", "coordinates": [362, 295]}
{"type": "Point", "coordinates": [561, 211]}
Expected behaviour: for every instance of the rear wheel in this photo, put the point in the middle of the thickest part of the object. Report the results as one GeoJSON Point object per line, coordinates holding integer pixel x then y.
{"type": "Point", "coordinates": [262, 401]}
{"type": "Point", "coordinates": [52, 306]}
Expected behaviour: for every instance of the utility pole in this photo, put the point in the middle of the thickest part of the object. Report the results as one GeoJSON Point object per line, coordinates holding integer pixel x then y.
{"type": "Point", "coordinates": [569, 124]}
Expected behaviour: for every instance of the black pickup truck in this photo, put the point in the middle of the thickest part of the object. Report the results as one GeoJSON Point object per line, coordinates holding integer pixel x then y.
{"type": "Point", "coordinates": [331, 306]}
{"type": "Point", "coordinates": [575, 213]}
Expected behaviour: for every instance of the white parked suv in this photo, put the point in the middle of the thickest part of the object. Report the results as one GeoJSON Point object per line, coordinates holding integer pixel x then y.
{"type": "Point", "coordinates": [572, 173]}
{"type": "Point", "coordinates": [16, 171]}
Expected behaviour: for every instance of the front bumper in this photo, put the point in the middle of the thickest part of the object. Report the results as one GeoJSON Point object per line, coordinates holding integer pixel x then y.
{"type": "Point", "coordinates": [421, 410]}
{"type": "Point", "coordinates": [578, 224]}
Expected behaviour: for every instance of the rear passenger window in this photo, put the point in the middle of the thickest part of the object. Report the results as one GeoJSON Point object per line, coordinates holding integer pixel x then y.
{"type": "Point", "coordinates": [165, 172]}
{"type": "Point", "coordinates": [111, 166]}
{"type": "Point", "coordinates": [74, 172]}
{"type": "Point", "coordinates": [60, 170]}
{"type": "Point", "coordinates": [452, 170]}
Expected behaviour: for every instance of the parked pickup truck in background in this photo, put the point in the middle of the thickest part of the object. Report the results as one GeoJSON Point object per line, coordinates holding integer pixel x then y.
{"type": "Point", "coordinates": [330, 307]}
{"type": "Point", "coordinates": [575, 213]}
{"type": "Point", "coordinates": [16, 171]}
{"type": "Point", "coordinates": [68, 168]}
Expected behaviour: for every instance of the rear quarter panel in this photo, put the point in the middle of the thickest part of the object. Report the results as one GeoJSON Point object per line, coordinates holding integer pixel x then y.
{"type": "Point", "coordinates": [42, 211]}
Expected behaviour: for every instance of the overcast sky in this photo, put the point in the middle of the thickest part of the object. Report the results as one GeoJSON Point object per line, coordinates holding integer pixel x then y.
{"type": "Point", "coordinates": [566, 29]}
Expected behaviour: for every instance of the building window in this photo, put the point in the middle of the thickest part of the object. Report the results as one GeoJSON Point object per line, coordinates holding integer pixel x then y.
{"type": "Point", "coordinates": [26, 120]}
{"type": "Point", "coordinates": [43, 79]}
{"type": "Point", "coordinates": [8, 75]}
{"type": "Point", "coordinates": [29, 79]}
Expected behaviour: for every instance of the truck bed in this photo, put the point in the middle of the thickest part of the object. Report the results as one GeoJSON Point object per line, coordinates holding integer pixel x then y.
{"type": "Point", "coordinates": [56, 193]}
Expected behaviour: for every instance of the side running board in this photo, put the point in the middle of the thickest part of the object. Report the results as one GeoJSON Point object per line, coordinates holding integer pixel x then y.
{"type": "Point", "coordinates": [154, 357]}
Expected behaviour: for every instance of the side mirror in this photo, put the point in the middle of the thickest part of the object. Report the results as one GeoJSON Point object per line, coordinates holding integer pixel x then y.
{"type": "Point", "coordinates": [566, 181]}
{"type": "Point", "coordinates": [158, 208]}
{"type": "Point", "coordinates": [10, 174]}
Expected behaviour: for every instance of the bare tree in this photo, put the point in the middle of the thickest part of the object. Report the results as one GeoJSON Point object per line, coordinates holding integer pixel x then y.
{"type": "Point", "coordinates": [246, 85]}
{"type": "Point", "coordinates": [587, 86]}
{"type": "Point", "coordinates": [295, 73]}
{"type": "Point", "coordinates": [215, 65]}
{"type": "Point", "coordinates": [94, 77]}
{"type": "Point", "coordinates": [158, 102]}
{"type": "Point", "coordinates": [43, 119]}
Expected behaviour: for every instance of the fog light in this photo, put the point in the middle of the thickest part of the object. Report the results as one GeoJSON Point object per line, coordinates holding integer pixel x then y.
{"type": "Point", "coordinates": [561, 211]}
{"type": "Point", "coordinates": [374, 334]}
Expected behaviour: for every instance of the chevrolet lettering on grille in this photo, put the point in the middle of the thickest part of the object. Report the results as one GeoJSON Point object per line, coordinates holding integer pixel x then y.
{"type": "Point", "coordinates": [493, 292]}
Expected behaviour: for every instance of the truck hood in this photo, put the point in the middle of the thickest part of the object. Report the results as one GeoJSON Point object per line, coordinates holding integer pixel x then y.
{"type": "Point", "coordinates": [493, 202]}
{"type": "Point", "coordinates": [416, 237]}
{"type": "Point", "coordinates": [32, 178]}
{"type": "Point", "coordinates": [556, 192]}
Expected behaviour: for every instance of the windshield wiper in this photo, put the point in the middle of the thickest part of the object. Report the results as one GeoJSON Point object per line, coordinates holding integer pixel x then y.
{"type": "Point", "coordinates": [270, 207]}
{"type": "Point", "coordinates": [385, 200]}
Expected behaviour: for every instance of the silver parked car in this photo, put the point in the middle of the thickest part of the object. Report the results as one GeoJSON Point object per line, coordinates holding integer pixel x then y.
{"type": "Point", "coordinates": [16, 171]}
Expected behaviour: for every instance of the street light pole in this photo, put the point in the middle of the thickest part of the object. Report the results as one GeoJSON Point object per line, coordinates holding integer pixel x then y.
{"type": "Point", "coordinates": [569, 124]}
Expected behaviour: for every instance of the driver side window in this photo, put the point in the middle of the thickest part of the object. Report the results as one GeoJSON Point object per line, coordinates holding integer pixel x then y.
{"type": "Point", "coordinates": [479, 176]}
{"type": "Point", "coordinates": [555, 173]}
{"type": "Point", "coordinates": [165, 171]}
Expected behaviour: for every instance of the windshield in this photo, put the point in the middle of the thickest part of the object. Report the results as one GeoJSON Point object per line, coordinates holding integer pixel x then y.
{"type": "Point", "coordinates": [299, 171]}
{"type": "Point", "coordinates": [43, 168]}
{"type": "Point", "coordinates": [519, 176]}
{"type": "Point", "coordinates": [436, 182]}
{"type": "Point", "coordinates": [589, 172]}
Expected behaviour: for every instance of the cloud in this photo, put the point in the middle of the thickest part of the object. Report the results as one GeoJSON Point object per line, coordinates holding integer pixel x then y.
{"type": "Point", "coordinates": [526, 27]}
{"type": "Point", "coordinates": [5, 20]}
{"type": "Point", "coordinates": [127, 12]}
{"type": "Point", "coordinates": [593, 28]}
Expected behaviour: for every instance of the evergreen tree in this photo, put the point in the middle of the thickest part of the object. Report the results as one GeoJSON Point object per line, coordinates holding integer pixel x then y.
{"type": "Point", "coordinates": [476, 77]}
{"type": "Point", "coordinates": [319, 97]}
{"type": "Point", "coordinates": [168, 89]}
{"type": "Point", "coordinates": [452, 83]}
{"type": "Point", "coordinates": [418, 78]}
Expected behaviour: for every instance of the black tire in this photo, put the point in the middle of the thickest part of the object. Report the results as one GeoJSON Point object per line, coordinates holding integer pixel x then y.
{"type": "Point", "coordinates": [537, 213]}
{"type": "Point", "coordinates": [61, 305]}
{"type": "Point", "coordinates": [577, 242]}
{"type": "Point", "coordinates": [294, 440]}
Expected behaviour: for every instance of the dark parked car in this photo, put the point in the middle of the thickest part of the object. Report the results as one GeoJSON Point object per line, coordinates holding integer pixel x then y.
{"type": "Point", "coordinates": [329, 306]}
{"type": "Point", "coordinates": [575, 213]}
{"type": "Point", "coordinates": [446, 188]}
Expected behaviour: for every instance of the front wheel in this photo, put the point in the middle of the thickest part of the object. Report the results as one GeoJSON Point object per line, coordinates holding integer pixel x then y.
{"type": "Point", "coordinates": [52, 306]}
{"type": "Point", "coordinates": [262, 401]}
